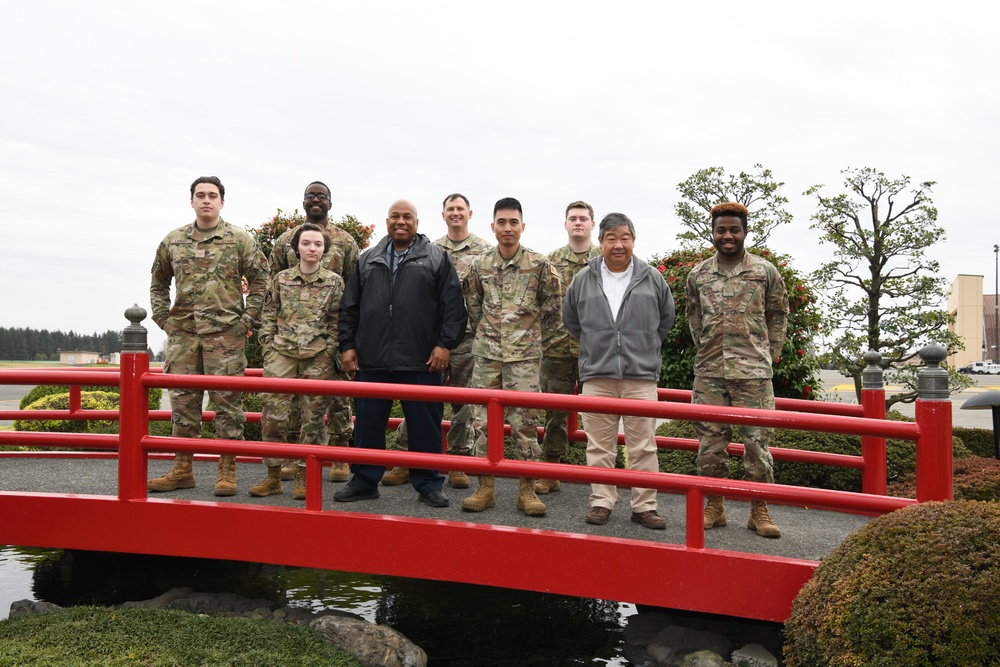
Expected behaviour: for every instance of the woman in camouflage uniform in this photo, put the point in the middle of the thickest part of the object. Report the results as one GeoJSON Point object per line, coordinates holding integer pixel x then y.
{"type": "Point", "coordinates": [299, 339]}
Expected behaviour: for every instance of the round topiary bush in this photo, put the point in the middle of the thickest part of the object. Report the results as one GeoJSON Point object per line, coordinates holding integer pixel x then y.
{"type": "Point", "coordinates": [917, 587]}
{"type": "Point", "coordinates": [155, 395]}
{"type": "Point", "coordinates": [89, 400]}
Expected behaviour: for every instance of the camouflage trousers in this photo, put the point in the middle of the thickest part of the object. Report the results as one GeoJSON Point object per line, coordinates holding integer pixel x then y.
{"type": "Point", "coordinates": [713, 460]}
{"type": "Point", "coordinates": [219, 353]}
{"type": "Point", "coordinates": [340, 422]}
{"type": "Point", "coordinates": [515, 376]}
{"type": "Point", "coordinates": [461, 435]}
{"type": "Point", "coordinates": [558, 376]}
{"type": "Point", "coordinates": [277, 410]}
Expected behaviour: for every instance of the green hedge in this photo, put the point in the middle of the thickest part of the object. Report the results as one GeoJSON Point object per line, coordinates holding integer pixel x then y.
{"type": "Point", "coordinates": [155, 395]}
{"type": "Point", "coordinates": [89, 400]}
{"type": "Point", "coordinates": [918, 587]}
{"type": "Point", "coordinates": [979, 441]}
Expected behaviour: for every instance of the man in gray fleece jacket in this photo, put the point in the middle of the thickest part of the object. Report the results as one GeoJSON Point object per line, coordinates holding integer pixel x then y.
{"type": "Point", "coordinates": [621, 310]}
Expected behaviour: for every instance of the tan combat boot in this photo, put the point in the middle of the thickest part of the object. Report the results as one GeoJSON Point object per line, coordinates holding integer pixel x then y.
{"type": "Point", "coordinates": [527, 501]}
{"type": "Point", "coordinates": [458, 480]}
{"type": "Point", "coordinates": [288, 467]}
{"type": "Point", "coordinates": [760, 520]}
{"type": "Point", "coordinates": [483, 498]}
{"type": "Point", "coordinates": [396, 476]}
{"type": "Point", "coordinates": [715, 512]}
{"type": "Point", "coordinates": [180, 476]}
{"type": "Point", "coordinates": [544, 486]}
{"type": "Point", "coordinates": [271, 484]}
{"type": "Point", "coordinates": [225, 478]}
{"type": "Point", "coordinates": [340, 471]}
{"type": "Point", "coordinates": [300, 483]}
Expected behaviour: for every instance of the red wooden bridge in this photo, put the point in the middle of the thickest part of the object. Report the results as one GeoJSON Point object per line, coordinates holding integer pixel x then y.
{"type": "Point", "coordinates": [97, 499]}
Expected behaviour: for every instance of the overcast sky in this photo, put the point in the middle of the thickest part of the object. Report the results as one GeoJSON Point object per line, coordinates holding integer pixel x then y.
{"type": "Point", "coordinates": [108, 111]}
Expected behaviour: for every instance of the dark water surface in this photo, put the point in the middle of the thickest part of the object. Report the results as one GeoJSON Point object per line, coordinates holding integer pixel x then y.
{"type": "Point", "coordinates": [458, 625]}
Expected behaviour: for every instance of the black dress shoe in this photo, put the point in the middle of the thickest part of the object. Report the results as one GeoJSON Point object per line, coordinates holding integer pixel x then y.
{"type": "Point", "coordinates": [434, 498]}
{"type": "Point", "coordinates": [349, 494]}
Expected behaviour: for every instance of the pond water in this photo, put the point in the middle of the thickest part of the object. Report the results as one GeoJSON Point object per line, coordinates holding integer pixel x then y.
{"type": "Point", "coordinates": [459, 625]}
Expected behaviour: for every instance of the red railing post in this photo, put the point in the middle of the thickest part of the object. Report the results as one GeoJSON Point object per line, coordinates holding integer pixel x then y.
{"type": "Point", "coordinates": [75, 400]}
{"type": "Point", "coordinates": [494, 431]}
{"type": "Point", "coordinates": [873, 475]}
{"type": "Point", "coordinates": [133, 408]}
{"type": "Point", "coordinates": [933, 412]}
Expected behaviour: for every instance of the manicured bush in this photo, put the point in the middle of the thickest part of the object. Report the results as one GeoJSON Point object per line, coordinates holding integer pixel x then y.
{"type": "Point", "coordinates": [979, 441]}
{"type": "Point", "coordinates": [155, 395]}
{"type": "Point", "coordinates": [918, 587]}
{"type": "Point", "coordinates": [975, 478]}
{"type": "Point", "coordinates": [89, 400]}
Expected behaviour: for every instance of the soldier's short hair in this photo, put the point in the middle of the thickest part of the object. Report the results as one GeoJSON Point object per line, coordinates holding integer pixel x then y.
{"type": "Point", "coordinates": [730, 208]}
{"type": "Point", "coordinates": [456, 195]}
{"type": "Point", "coordinates": [507, 204]}
{"type": "Point", "coordinates": [613, 221]}
{"type": "Point", "coordinates": [309, 227]}
{"type": "Point", "coordinates": [325, 187]}
{"type": "Point", "coordinates": [213, 180]}
{"type": "Point", "coordinates": [580, 204]}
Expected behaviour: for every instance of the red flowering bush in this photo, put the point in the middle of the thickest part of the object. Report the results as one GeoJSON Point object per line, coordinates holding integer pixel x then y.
{"type": "Point", "coordinates": [795, 373]}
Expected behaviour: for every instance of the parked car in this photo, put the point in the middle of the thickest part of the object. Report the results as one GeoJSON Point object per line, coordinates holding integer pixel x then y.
{"type": "Point", "coordinates": [982, 368]}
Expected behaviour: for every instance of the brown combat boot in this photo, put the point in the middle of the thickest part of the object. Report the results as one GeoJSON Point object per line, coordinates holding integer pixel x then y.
{"type": "Point", "coordinates": [225, 478]}
{"type": "Point", "coordinates": [300, 483]}
{"type": "Point", "coordinates": [760, 520]}
{"type": "Point", "coordinates": [180, 476]}
{"type": "Point", "coordinates": [340, 471]}
{"type": "Point", "coordinates": [458, 480]}
{"type": "Point", "coordinates": [483, 498]}
{"type": "Point", "coordinates": [396, 476]}
{"type": "Point", "coordinates": [715, 512]}
{"type": "Point", "coordinates": [527, 501]}
{"type": "Point", "coordinates": [288, 467]}
{"type": "Point", "coordinates": [271, 484]}
{"type": "Point", "coordinates": [544, 486]}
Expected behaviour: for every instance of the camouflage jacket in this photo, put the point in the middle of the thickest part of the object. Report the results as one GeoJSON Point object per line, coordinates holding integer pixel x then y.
{"type": "Point", "coordinates": [340, 256]}
{"type": "Point", "coordinates": [208, 269]}
{"type": "Point", "coordinates": [556, 341]}
{"type": "Point", "coordinates": [301, 312]}
{"type": "Point", "coordinates": [462, 254]}
{"type": "Point", "coordinates": [510, 301]}
{"type": "Point", "coordinates": [738, 320]}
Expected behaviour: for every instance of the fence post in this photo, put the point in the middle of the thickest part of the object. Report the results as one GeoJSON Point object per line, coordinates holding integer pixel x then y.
{"type": "Point", "coordinates": [133, 408]}
{"type": "Point", "coordinates": [873, 475]}
{"type": "Point", "coordinates": [933, 411]}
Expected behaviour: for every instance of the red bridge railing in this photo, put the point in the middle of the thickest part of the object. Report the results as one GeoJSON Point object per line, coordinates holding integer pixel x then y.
{"type": "Point", "coordinates": [931, 434]}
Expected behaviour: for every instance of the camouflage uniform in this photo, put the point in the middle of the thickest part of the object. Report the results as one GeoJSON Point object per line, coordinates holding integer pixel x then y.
{"type": "Point", "coordinates": [561, 352]}
{"type": "Point", "coordinates": [299, 338]}
{"type": "Point", "coordinates": [340, 257]}
{"type": "Point", "coordinates": [461, 435]}
{"type": "Point", "coordinates": [510, 302]}
{"type": "Point", "coordinates": [209, 317]}
{"type": "Point", "coordinates": [737, 320]}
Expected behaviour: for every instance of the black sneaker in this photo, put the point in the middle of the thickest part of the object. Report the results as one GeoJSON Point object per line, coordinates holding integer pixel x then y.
{"type": "Point", "coordinates": [349, 494]}
{"type": "Point", "coordinates": [434, 498]}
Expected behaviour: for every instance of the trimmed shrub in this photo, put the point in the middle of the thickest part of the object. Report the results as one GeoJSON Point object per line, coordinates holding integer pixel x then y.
{"type": "Point", "coordinates": [979, 441]}
{"type": "Point", "coordinates": [89, 400]}
{"type": "Point", "coordinates": [918, 587]}
{"type": "Point", "coordinates": [975, 478]}
{"type": "Point", "coordinates": [155, 395]}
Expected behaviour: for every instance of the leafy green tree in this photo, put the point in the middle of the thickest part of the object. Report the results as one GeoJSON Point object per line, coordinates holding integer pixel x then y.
{"type": "Point", "coordinates": [884, 291]}
{"type": "Point", "coordinates": [758, 191]}
{"type": "Point", "coordinates": [795, 374]}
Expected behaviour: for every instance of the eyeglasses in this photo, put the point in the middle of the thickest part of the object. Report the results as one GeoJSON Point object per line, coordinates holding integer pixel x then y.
{"type": "Point", "coordinates": [313, 195]}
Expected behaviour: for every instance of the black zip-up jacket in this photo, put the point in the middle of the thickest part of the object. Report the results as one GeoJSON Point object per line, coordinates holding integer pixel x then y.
{"type": "Point", "coordinates": [394, 325]}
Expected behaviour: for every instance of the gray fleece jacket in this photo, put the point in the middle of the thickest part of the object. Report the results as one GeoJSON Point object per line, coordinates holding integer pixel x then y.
{"type": "Point", "coordinates": [627, 348]}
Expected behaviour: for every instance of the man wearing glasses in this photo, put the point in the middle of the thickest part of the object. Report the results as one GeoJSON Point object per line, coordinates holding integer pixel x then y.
{"type": "Point", "coordinates": [340, 257]}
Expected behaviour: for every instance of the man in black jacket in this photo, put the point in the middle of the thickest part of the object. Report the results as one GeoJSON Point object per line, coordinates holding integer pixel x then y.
{"type": "Point", "coordinates": [401, 315]}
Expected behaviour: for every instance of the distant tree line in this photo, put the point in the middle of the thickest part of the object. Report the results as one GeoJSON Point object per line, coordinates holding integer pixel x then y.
{"type": "Point", "coordinates": [34, 345]}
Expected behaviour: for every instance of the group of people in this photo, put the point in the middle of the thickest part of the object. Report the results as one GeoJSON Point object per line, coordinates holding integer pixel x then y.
{"type": "Point", "coordinates": [463, 311]}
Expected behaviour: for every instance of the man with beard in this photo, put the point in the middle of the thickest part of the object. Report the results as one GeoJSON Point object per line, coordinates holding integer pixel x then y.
{"type": "Point", "coordinates": [340, 257]}
{"type": "Point", "coordinates": [737, 309]}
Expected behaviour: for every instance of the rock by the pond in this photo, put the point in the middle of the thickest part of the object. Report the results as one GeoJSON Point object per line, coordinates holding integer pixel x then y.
{"type": "Point", "coordinates": [674, 643]}
{"type": "Point", "coordinates": [753, 655]}
{"type": "Point", "coordinates": [24, 607]}
{"type": "Point", "coordinates": [374, 645]}
{"type": "Point", "coordinates": [703, 659]}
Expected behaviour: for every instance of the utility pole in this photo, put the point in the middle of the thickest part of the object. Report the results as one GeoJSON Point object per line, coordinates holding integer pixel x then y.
{"type": "Point", "coordinates": [996, 304]}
